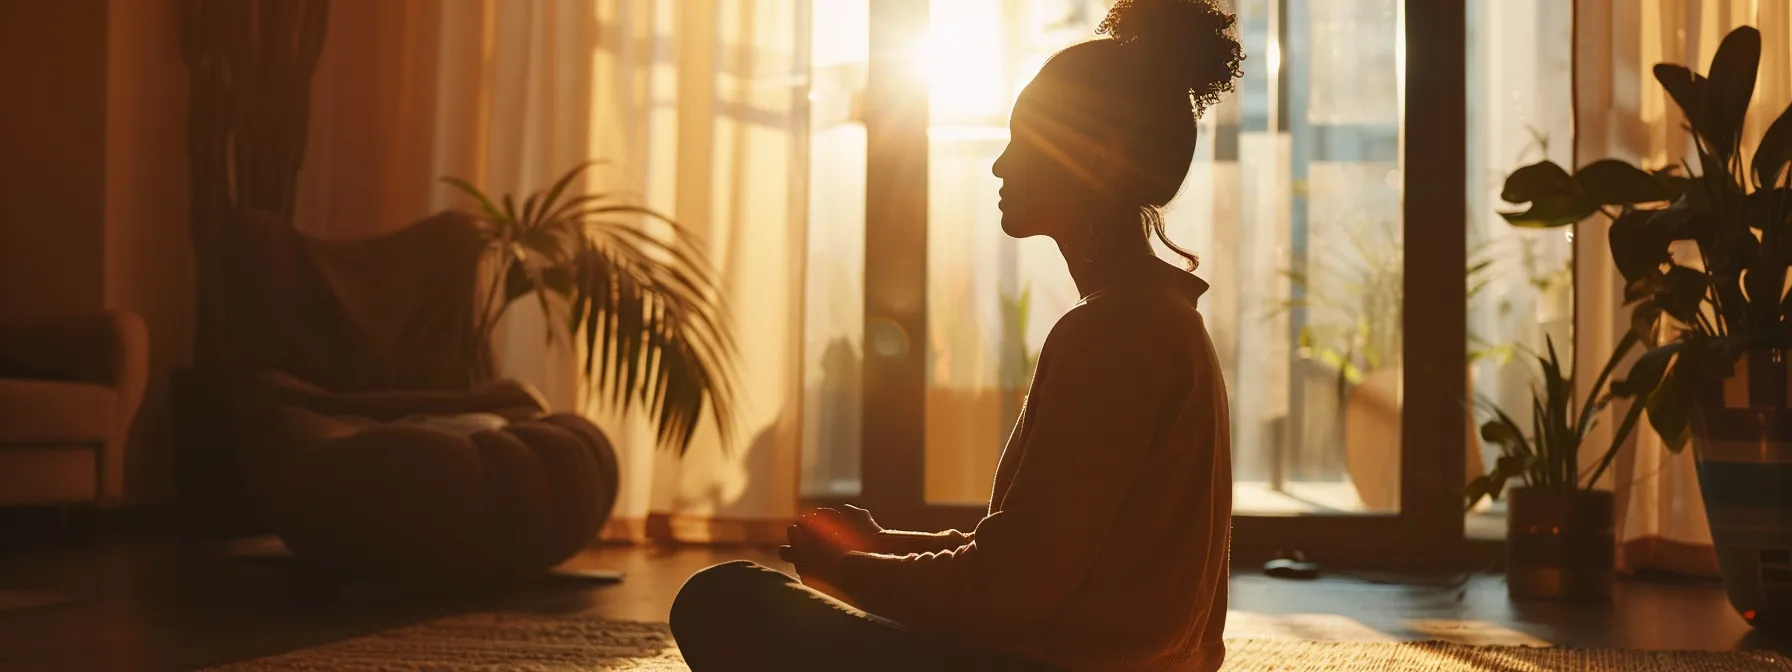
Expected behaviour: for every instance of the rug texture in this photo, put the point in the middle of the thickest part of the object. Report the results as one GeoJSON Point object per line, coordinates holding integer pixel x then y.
{"type": "Point", "coordinates": [491, 642]}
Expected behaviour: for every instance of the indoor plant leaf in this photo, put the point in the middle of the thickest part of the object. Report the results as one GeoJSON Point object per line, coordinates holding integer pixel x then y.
{"type": "Point", "coordinates": [1501, 431]}
{"type": "Point", "coordinates": [1639, 242]}
{"type": "Point", "coordinates": [1643, 319]}
{"type": "Point", "coordinates": [1538, 181]}
{"type": "Point", "coordinates": [644, 308]}
{"type": "Point", "coordinates": [1552, 211]}
{"type": "Point", "coordinates": [1669, 410]}
{"type": "Point", "coordinates": [1681, 292]}
{"type": "Point", "coordinates": [1731, 86]}
{"type": "Point", "coordinates": [1646, 373]}
{"type": "Point", "coordinates": [1687, 88]}
{"type": "Point", "coordinates": [1774, 153]}
{"type": "Point", "coordinates": [1614, 182]}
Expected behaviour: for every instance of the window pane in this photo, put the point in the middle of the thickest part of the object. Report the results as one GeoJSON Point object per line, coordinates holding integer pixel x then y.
{"type": "Point", "coordinates": [1519, 112]}
{"type": "Point", "coordinates": [991, 299]}
{"type": "Point", "coordinates": [1293, 202]}
{"type": "Point", "coordinates": [1306, 248]}
{"type": "Point", "coordinates": [835, 287]}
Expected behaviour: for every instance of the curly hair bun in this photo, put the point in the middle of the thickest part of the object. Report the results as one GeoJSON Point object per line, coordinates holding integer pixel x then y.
{"type": "Point", "coordinates": [1191, 43]}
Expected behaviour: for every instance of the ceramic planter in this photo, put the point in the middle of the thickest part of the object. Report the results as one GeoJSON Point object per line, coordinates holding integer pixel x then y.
{"type": "Point", "coordinates": [1742, 437]}
{"type": "Point", "coordinates": [1559, 544]}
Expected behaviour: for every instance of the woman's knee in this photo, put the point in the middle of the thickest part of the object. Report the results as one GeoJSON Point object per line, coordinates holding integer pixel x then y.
{"type": "Point", "coordinates": [714, 593]}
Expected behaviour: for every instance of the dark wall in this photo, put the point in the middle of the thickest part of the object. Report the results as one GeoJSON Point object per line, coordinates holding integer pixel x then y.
{"type": "Point", "coordinates": [52, 155]}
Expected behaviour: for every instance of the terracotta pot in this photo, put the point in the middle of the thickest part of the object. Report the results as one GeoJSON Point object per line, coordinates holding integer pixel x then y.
{"type": "Point", "coordinates": [1559, 544]}
{"type": "Point", "coordinates": [1742, 436]}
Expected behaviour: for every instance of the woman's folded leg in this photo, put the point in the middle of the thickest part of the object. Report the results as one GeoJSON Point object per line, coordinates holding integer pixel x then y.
{"type": "Point", "coordinates": [745, 616]}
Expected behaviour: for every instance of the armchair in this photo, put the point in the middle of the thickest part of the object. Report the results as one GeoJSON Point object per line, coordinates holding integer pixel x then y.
{"type": "Point", "coordinates": [70, 387]}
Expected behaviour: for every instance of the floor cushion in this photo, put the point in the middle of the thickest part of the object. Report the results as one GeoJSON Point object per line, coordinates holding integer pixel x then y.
{"type": "Point", "coordinates": [450, 495]}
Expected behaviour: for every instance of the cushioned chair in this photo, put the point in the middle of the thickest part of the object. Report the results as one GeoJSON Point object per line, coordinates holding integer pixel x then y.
{"type": "Point", "coordinates": [369, 448]}
{"type": "Point", "coordinates": [69, 389]}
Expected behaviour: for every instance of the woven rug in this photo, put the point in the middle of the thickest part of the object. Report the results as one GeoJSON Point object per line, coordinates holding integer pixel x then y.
{"type": "Point", "coordinates": [491, 642]}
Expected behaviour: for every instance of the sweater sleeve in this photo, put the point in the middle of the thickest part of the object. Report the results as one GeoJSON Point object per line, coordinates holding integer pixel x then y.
{"type": "Point", "coordinates": [1094, 411]}
{"type": "Point", "coordinates": [903, 542]}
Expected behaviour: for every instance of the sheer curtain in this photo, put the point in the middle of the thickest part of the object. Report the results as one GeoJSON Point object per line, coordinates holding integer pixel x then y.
{"type": "Point", "coordinates": [694, 107]}
{"type": "Point", "coordinates": [1620, 111]}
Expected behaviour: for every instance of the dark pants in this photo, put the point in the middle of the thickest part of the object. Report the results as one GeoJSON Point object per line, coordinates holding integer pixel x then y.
{"type": "Point", "coordinates": [744, 616]}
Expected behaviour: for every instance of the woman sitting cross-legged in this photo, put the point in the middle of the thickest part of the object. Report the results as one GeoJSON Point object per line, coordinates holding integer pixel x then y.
{"type": "Point", "coordinates": [1107, 539]}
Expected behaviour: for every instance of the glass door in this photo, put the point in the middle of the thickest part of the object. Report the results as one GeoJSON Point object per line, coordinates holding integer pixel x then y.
{"type": "Point", "coordinates": [1306, 191]}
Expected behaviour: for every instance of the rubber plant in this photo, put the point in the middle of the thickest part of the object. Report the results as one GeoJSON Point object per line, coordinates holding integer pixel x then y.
{"type": "Point", "coordinates": [1703, 255]}
{"type": "Point", "coordinates": [630, 289]}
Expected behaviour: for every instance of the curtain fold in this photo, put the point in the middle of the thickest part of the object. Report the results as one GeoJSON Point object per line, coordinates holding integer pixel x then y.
{"type": "Point", "coordinates": [691, 107]}
{"type": "Point", "coordinates": [1621, 112]}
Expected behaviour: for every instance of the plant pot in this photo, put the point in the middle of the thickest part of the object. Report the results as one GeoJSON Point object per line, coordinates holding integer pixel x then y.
{"type": "Point", "coordinates": [1559, 544]}
{"type": "Point", "coordinates": [1742, 437]}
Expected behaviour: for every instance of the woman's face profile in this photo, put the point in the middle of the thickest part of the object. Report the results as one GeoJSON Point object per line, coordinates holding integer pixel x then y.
{"type": "Point", "coordinates": [1046, 179]}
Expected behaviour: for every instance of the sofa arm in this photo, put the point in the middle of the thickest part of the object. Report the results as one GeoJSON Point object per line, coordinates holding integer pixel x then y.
{"type": "Point", "coordinates": [512, 399]}
{"type": "Point", "coordinates": [110, 348]}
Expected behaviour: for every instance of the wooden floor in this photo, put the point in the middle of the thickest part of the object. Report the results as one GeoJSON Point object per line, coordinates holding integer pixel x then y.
{"type": "Point", "coordinates": [168, 605]}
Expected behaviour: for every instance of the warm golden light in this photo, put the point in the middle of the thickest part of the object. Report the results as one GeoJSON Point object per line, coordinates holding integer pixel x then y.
{"type": "Point", "coordinates": [962, 60]}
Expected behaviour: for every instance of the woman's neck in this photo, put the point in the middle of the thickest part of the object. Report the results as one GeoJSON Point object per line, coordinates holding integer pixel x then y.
{"type": "Point", "coordinates": [1096, 264]}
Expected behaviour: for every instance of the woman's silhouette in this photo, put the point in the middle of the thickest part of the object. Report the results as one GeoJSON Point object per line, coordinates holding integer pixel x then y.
{"type": "Point", "coordinates": [1106, 544]}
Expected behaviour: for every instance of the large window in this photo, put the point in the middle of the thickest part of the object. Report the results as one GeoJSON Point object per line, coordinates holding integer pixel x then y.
{"type": "Point", "coordinates": [834, 306]}
{"type": "Point", "coordinates": [1297, 203]}
{"type": "Point", "coordinates": [1520, 96]}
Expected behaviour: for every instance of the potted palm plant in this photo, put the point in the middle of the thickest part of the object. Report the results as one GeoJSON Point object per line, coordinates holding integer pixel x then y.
{"type": "Point", "coordinates": [1704, 259]}
{"type": "Point", "coordinates": [627, 286]}
{"type": "Point", "coordinates": [1558, 528]}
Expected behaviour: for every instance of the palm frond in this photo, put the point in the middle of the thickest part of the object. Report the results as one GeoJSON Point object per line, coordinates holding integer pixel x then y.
{"type": "Point", "coordinates": [645, 309]}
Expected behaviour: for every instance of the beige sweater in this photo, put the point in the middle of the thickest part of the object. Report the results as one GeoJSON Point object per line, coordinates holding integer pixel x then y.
{"type": "Point", "coordinates": [1107, 542]}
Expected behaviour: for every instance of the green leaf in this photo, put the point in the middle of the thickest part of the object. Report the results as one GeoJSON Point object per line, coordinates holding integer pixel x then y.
{"type": "Point", "coordinates": [1639, 241]}
{"type": "Point", "coordinates": [486, 207]}
{"type": "Point", "coordinates": [1672, 182]}
{"type": "Point", "coordinates": [1732, 85]}
{"type": "Point", "coordinates": [1481, 486]}
{"type": "Point", "coordinates": [1668, 411]}
{"type": "Point", "coordinates": [1687, 88]}
{"type": "Point", "coordinates": [647, 312]}
{"type": "Point", "coordinates": [1643, 320]}
{"type": "Point", "coordinates": [1774, 153]}
{"type": "Point", "coordinates": [1551, 212]}
{"type": "Point", "coordinates": [1625, 427]}
{"type": "Point", "coordinates": [1536, 182]}
{"type": "Point", "coordinates": [1646, 374]}
{"type": "Point", "coordinates": [1614, 182]}
{"type": "Point", "coordinates": [548, 203]}
{"type": "Point", "coordinates": [1683, 291]}
{"type": "Point", "coordinates": [1625, 344]}
{"type": "Point", "coordinates": [1502, 432]}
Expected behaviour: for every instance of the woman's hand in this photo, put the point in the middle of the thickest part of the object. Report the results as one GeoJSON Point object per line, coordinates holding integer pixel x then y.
{"type": "Point", "coordinates": [851, 528]}
{"type": "Point", "coordinates": [815, 556]}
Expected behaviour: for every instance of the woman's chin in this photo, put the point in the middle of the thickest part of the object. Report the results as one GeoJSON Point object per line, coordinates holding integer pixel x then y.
{"type": "Point", "coordinates": [1017, 227]}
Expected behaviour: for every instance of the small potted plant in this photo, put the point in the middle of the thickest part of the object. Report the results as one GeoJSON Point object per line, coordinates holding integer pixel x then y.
{"type": "Point", "coordinates": [1559, 541]}
{"type": "Point", "coordinates": [1704, 259]}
